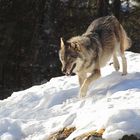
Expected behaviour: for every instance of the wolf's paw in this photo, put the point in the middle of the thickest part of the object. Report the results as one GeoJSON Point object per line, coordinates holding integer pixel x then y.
{"type": "Point", "coordinates": [83, 90]}
{"type": "Point", "coordinates": [82, 94]}
{"type": "Point", "coordinates": [117, 67]}
{"type": "Point", "coordinates": [124, 73]}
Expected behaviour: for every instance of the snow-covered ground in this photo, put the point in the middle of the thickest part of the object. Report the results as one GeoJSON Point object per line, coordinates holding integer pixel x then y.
{"type": "Point", "coordinates": [113, 103]}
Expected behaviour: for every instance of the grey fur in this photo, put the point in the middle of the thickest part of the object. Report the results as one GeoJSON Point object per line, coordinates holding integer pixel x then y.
{"type": "Point", "coordinates": [104, 38]}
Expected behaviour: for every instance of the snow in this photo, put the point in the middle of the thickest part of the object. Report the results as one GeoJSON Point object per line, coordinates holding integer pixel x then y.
{"type": "Point", "coordinates": [113, 103]}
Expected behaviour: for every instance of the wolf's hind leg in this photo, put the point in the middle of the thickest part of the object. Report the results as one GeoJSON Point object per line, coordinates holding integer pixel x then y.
{"type": "Point", "coordinates": [125, 43]}
{"type": "Point", "coordinates": [124, 61]}
{"type": "Point", "coordinates": [124, 64]}
{"type": "Point", "coordinates": [116, 62]}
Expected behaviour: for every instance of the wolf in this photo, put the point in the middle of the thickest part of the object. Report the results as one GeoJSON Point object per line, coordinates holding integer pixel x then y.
{"type": "Point", "coordinates": [85, 54]}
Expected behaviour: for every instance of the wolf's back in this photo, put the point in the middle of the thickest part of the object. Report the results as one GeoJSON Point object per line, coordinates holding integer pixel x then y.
{"type": "Point", "coordinates": [110, 23]}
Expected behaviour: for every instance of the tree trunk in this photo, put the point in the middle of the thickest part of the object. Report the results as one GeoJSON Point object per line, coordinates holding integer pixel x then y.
{"type": "Point", "coordinates": [116, 5]}
{"type": "Point", "coordinates": [102, 8]}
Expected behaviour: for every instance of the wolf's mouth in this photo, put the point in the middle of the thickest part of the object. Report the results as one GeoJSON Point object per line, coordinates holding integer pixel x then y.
{"type": "Point", "coordinates": [70, 72]}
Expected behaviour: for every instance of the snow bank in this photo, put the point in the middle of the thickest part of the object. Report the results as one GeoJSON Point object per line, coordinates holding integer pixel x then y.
{"type": "Point", "coordinates": [113, 103]}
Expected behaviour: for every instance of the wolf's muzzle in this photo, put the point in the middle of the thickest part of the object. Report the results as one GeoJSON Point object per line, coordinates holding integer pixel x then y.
{"type": "Point", "coordinates": [69, 72]}
{"type": "Point", "coordinates": [73, 67]}
{"type": "Point", "coordinates": [64, 70]}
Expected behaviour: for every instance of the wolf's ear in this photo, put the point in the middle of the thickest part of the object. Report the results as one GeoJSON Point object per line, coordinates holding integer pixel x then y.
{"type": "Point", "coordinates": [62, 46]}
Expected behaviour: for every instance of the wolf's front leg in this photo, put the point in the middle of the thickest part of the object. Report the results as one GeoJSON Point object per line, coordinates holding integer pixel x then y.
{"type": "Point", "coordinates": [81, 77]}
{"type": "Point", "coordinates": [84, 88]}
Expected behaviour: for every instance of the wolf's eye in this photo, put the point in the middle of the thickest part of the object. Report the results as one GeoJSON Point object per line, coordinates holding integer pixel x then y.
{"type": "Point", "coordinates": [61, 58]}
{"type": "Point", "coordinates": [68, 58]}
{"type": "Point", "coordinates": [73, 56]}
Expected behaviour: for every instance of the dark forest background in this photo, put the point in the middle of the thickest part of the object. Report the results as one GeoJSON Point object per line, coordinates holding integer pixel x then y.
{"type": "Point", "coordinates": [30, 32]}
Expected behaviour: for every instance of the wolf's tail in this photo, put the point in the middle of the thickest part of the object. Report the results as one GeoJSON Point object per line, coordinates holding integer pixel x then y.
{"type": "Point", "coordinates": [125, 41]}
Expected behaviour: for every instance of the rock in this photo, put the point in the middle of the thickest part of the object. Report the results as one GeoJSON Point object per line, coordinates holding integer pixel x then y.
{"type": "Point", "coordinates": [91, 135]}
{"type": "Point", "coordinates": [62, 134]}
{"type": "Point", "coordinates": [131, 137]}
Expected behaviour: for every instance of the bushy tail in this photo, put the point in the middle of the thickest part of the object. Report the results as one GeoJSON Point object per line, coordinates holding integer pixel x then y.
{"type": "Point", "coordinates": [125, 40]}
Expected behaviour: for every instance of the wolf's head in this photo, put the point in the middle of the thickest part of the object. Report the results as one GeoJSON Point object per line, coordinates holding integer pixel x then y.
{"type": "Point", "coordinates": [69, 55]}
